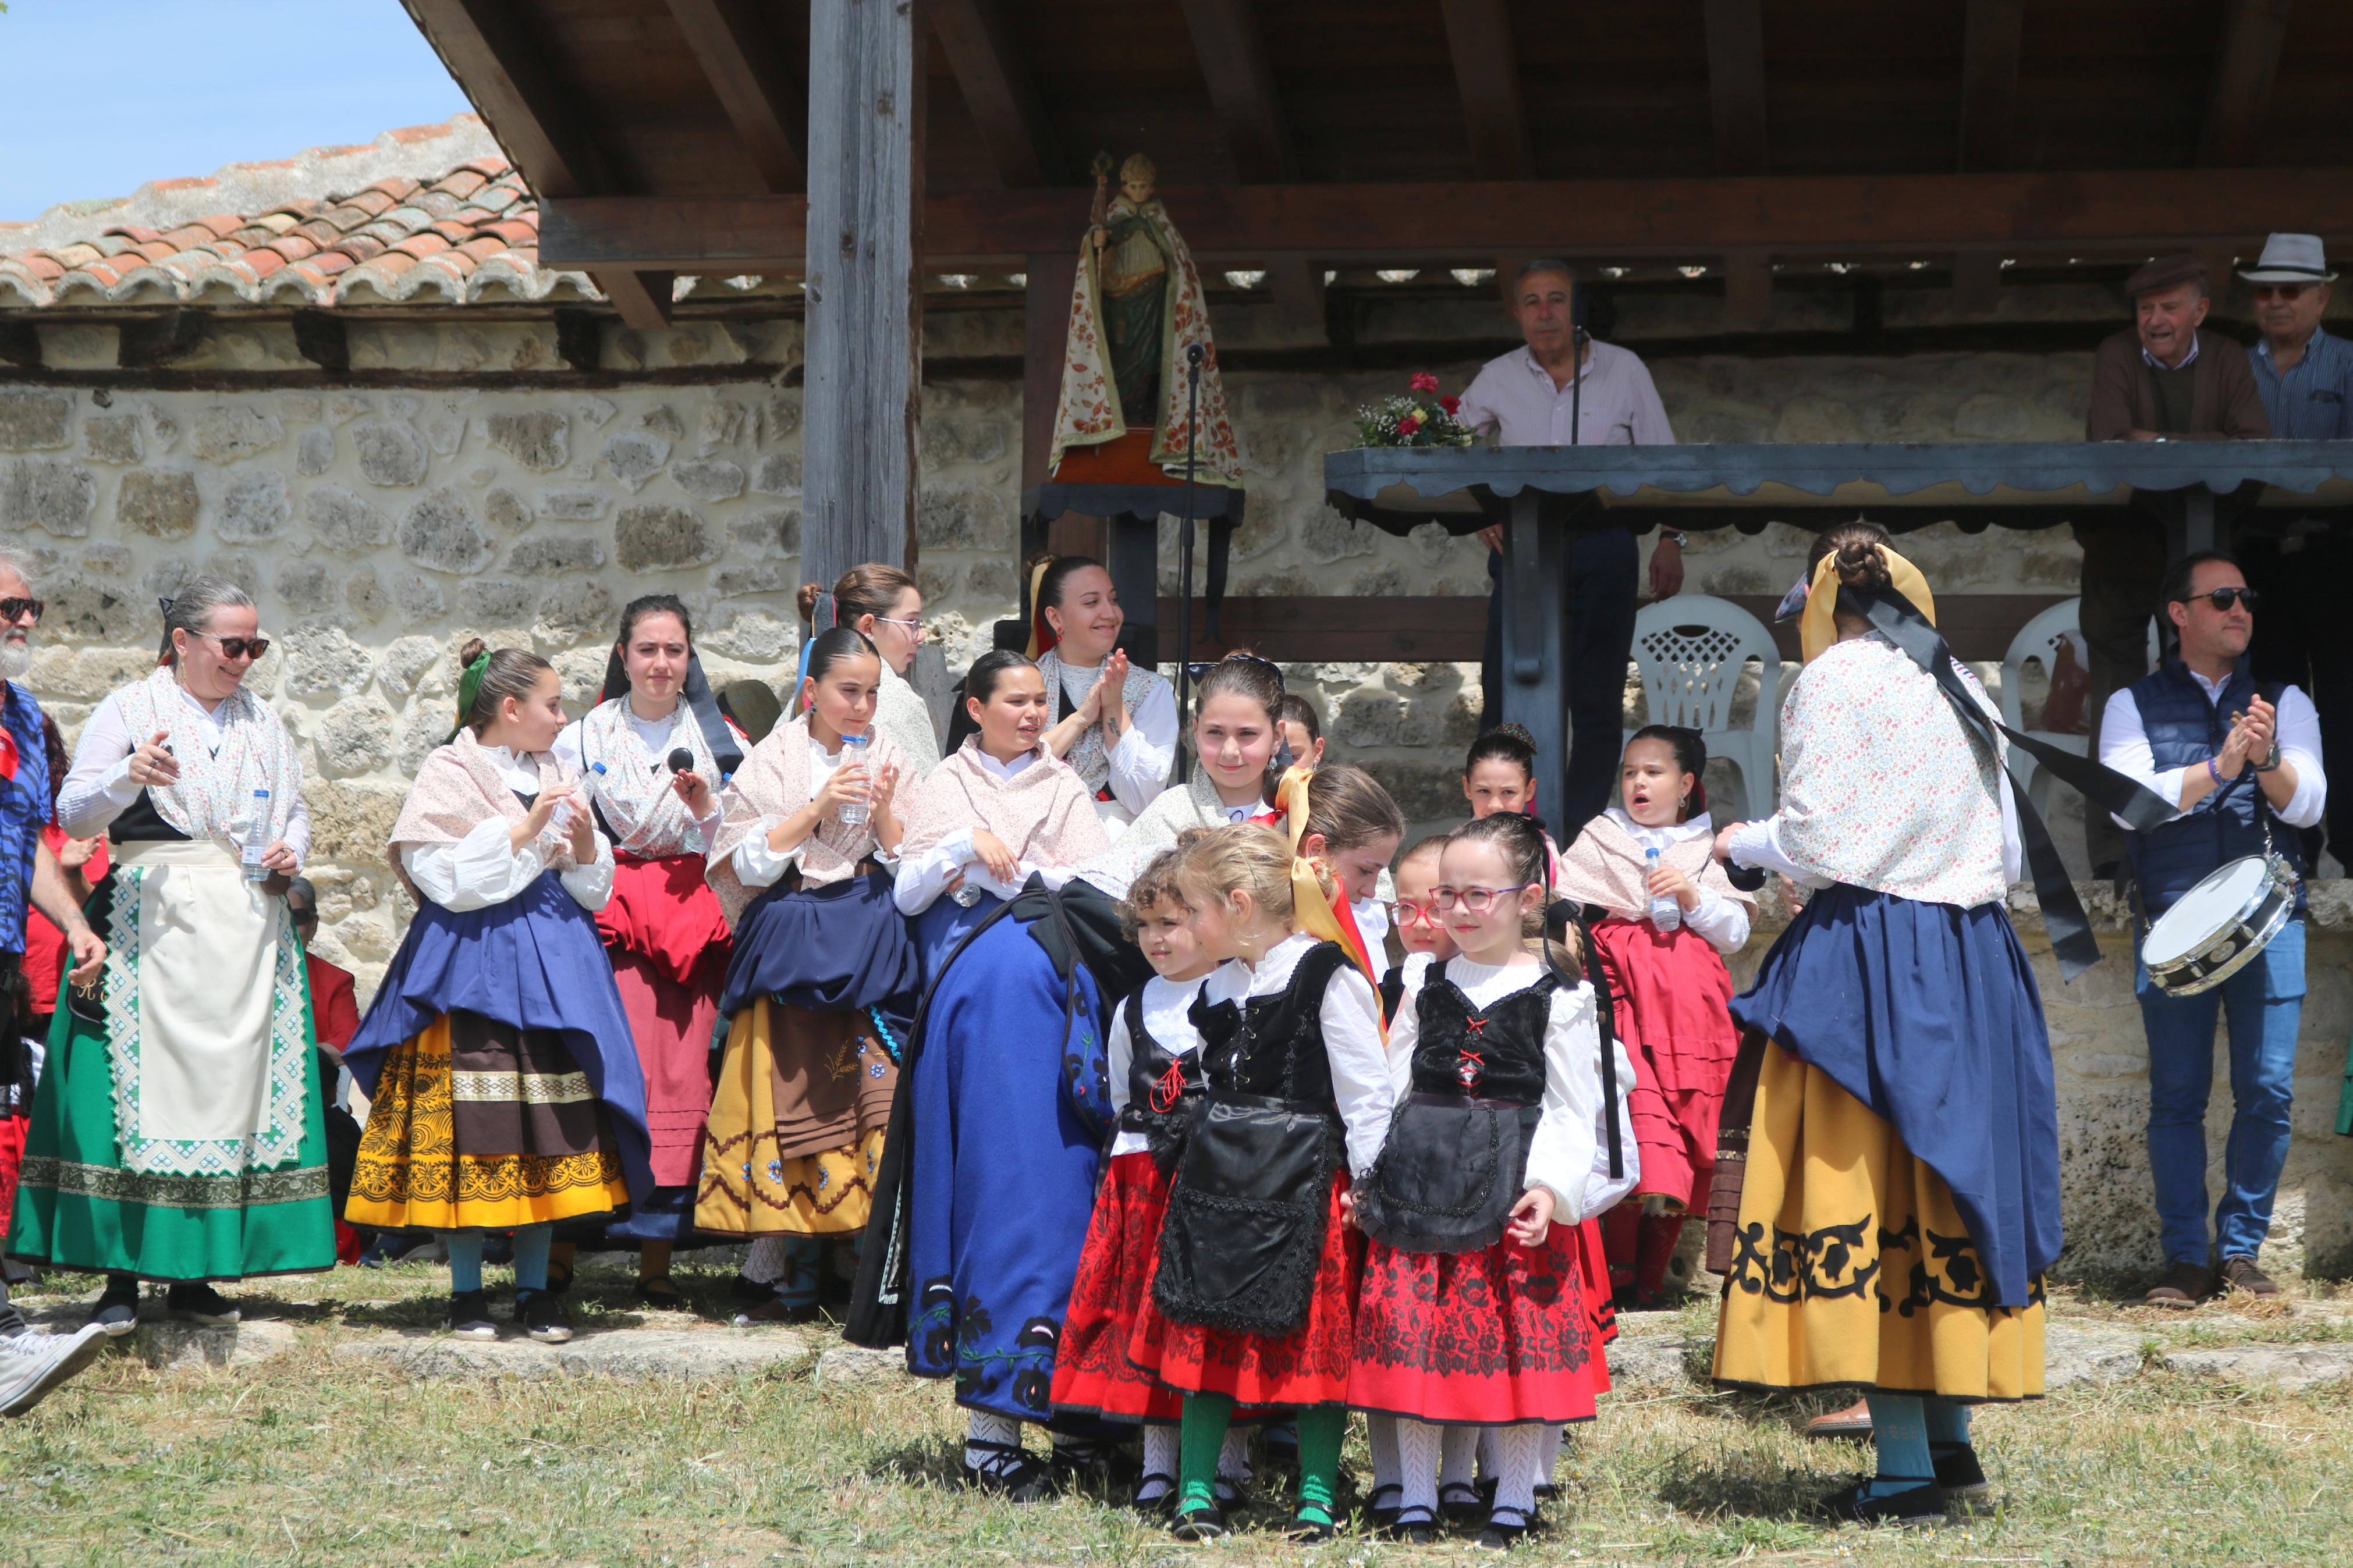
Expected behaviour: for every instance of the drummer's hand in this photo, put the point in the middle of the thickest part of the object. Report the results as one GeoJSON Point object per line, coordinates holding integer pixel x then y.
{"type": "Point", "coordinates": [693, 791]}
{"type": "Point", "coordinates": [1532, 1218]}
{"type": "Point", "coordinates": [2236, 750]}
{"type": "Point", "coordinates": [1491, 536]}
{"type": "Point", "coordinates": [1723, 850]}
{"type": "Point", "coordinates": [2261, 721]}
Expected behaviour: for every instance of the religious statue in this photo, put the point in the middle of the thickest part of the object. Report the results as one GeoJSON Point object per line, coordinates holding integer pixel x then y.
{"type": "Point", "coordinates": [1136, 305]}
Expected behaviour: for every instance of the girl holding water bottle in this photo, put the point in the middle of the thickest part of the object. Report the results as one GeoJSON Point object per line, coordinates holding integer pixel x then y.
{"type": "Point", "coordinates": [505, 1095]}
{"type": "Point", "coordinates": [178, 1133]}
{"type": "Point", "coordinates": [819, 983]}
{"type": "Point", "coordinates": [1669, 915]}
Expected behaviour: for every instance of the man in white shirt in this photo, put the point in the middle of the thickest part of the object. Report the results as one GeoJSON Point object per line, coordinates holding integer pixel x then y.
{"type": "Point", "coordinates": [2244, 763]}
{"type": "Point", "coordinates": [1530, 398]}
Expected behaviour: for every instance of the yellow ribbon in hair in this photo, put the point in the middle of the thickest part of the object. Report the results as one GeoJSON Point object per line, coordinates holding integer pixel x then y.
{"type": "Point", "coordinates": [1037, 610]}
{"type": "Point", "coordinates": [1818, 623]}
{"type": "Point", "coordinates": [1312, 912]}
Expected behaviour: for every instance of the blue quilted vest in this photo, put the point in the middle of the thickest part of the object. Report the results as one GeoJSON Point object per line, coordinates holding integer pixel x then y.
{"type": "Point", "coordinates": [2184, 730]}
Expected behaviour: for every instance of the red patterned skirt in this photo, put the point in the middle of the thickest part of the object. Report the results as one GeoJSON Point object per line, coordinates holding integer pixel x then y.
{"type": "Point", "coordinates": [1601, 1301]}
{"type": "Point", "coordinates": [1092, 1371]}
{"type": "Point", "coordinates": [1492, 1338]}
{"type": "Point", "coordinates": [1307, 1366]}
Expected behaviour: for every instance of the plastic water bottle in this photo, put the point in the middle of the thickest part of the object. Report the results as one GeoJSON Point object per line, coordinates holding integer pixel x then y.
{"type": "Point", "coordinates": [256, 839]}
{"type": "Point", "coordinates": [853, 755]}
{"type": "Point", "coordinates": [567, 816]}
{"type": "Point", "coordinates": [1665, 913]}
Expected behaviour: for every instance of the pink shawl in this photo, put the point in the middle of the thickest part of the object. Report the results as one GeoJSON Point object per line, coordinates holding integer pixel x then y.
{"type": "Point", "coordinates": [772, 783]}
{"type": "Point", "coordinates": [1606, 866]}
{"type": "Point", "coordinates": [1044, 813]}
{"type": "Point", "coordinates": [458, 789]}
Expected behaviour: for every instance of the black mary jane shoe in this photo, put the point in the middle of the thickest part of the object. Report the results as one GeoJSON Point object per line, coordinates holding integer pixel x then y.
{"type": "Point", "coordinates": [1420, 1530]}
{"type": "Point", "coordinates": [469, 1316]}
{"type": "Point", "coordinates": [1459, 1502]}
{"type": "Point", "coordinates": [1202, 1521]}
{"type": "Point", "coordinates": [1921, 1504]}
{"type": "Point", "coordinates": [1504, 1529]}
{"type": "Point", "coordinates": [1159, 1502]}
{"type": "Point", "coordinates": [542, 1318]}
{"type": "Point", "coordinates": [1382, 1504]}
{"type": "Point", "coordinates": [1960, 1476]}
{"type": "Point", "coordinates": [1086, 1466]}
{"type": "Point", "coordinates": [1010, 1471]}
{"type": "Point", "coordinates": [1307, 1532]}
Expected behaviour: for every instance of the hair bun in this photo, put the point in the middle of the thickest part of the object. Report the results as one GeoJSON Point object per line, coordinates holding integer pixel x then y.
{"type": "Point", "coordinates": [808, 600]}
{"type": "Point", "coordinates": [1862, 564]}
{"type": "Point", "coordinates": [475, 649]}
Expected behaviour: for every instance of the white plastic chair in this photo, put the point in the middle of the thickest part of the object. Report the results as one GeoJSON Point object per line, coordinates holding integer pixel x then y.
{"type": "Point", "coordinates": [1689, 652]}
{"type": "Point", "coordinates": [2037, 642]}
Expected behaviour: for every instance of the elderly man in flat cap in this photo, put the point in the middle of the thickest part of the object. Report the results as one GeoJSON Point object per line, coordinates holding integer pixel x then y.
{"type": "Point", "coordinates": [2163, 378]}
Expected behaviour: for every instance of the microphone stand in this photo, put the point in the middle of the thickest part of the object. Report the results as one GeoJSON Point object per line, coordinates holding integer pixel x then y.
{"type": "Point", "coordinates": [1576, 382]}
{"type": "Point", "coordinates": [1193, 356]}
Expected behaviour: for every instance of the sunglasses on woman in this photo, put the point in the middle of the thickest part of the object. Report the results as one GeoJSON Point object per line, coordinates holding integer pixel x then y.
{"type": "Point", "coordinates": [1477, 900]}
{"type": "Point", "coordinates": [231, 647]}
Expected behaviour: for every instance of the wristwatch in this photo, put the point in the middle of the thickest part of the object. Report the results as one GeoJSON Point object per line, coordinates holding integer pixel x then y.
{"type": "Point", "coordinates": [1673, 536]}
{"type": "Point", "coordinates": [2271, 762]}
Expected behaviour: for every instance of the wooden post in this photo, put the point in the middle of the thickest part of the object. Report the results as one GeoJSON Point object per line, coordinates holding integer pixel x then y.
{"type": "Point", "coordinates": [1535, 642]}
{"type": "Point", "coordinates": [863, 387]}
{"type": "Point", "coordinates": [1045, 327]}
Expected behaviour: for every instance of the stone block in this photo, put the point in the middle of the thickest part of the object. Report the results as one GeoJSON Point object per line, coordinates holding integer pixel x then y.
{"type": "Point", "coordinates": [305, 589]}
{"type": "Point", "coordinates": [663, 539]}
{"type": "Point", "coordinates": [1325, 536]}
{"type": "Point", "coordinates": [255, 509]}
{"type": "Point", "coordinates": [754, 577]}
{"type": "Point", "coordinates": [365, 594]}
{"type": "Point", "coordinates": [323, 661]}
{"type": "Point", "coordinates": [751, 635]}
{"type": "Point", "coordinates": [160, 503]}
{"type": "Point", "coordinates": [438, 533]}
{"type": "Point", "coordinates": [427, 727]}
{"type": "Point", "coordinates": [406, 663]}
{"type": "Point", "coordinates": [768, 535]}
{"type": "Point", "coordinates": [419, 597]}
{"type": "Point", "coordinates": [345, 521]}
{"type": "Point", "coordinates": [33, 421]}
{"type": "Point", "coordinates": [1367, 719]}
{"type": "Point", "coordinates": [631, 1355]}
{"type": "Point", "coordinates": [352, 820]}
{"type": "Point", "coordinates": [494, 601]}
{"type": "Point", "coordinates": [116, 439]}
{"type": "Point", "coordinates": [506, 511]}
{"type": "Point", "coordinates": [179, 1347]}
{"type": "Point", "coordinates": [635, 456]}
{"type": "Point", "coordinates": [781, 417]}
{"type": "Point", "coordinates": [778, 474]}
{"type": "Point", "coordinates": [990, 583]}
{"type": "Point", "coordinates": [847, 1365]}
{"type": "Point", "coordinates": [314, 451]}
{"type": "Point", "coordinates": [355, 737]}
{"type": "Point", "coordinates": [540, 440]}
{"type": "Point", "coordinates": [575, 505]}
{"type": "Point", "coordinates": [57, 498]}
{"type": "Point", "coordinates": [709, 479]}
{"type": "Point", "coordinates": [724, 422]}
{"type": "Point", "coordinates": [571, 612]}
{"type": "Point", "coordinates": [391, 455]}
{"type": "Point", "coordinates": [232, 432]}
{"type": "Point", "coordinates": [962, 520]}
{"type": "Point", "coordinates": [549, 556]}
{"type": "Point", "coordinates": [662, 421]}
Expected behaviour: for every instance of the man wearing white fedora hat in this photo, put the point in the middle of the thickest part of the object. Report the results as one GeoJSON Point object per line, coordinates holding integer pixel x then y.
{"type": "Point", "coordinates": [2306, 376]}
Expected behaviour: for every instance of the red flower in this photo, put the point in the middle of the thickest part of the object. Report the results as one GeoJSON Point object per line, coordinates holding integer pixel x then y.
{"type": "Point", "coordinates": [1424, 381]}
{"type": "Point", "coordinates": [1409, 423]}
{"type": "Point", "coordinates": [1452, 406]}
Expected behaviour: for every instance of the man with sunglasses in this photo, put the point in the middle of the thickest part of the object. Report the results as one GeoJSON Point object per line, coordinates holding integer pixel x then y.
{"type": "Point", "coordinates": [2241, 760]}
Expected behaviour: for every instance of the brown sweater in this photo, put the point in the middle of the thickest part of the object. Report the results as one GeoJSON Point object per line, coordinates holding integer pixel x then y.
{"type": "Point", "coordinates": [2224, 404]}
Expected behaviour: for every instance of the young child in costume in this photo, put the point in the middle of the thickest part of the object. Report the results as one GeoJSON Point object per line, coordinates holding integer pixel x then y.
{"type": "Point", "coordinates": [1258, 1312]}
{"type": "Point", "coordinates": [1473, 1310]}
{"type": "Point", "coordinates": [1155, 1081]}
{"type": "Point", "coordinates": [505, 1091]}
{"type": "Point", "coordinates": [1670, 989]}
{"type": "Point", "coordinates": [1302, 732]}
{"type": "Point", "coordinates": [1499, 774]}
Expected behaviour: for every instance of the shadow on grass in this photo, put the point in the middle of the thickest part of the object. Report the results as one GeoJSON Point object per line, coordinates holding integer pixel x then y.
{"type": "Point", "coordinates": [1715, 1492]}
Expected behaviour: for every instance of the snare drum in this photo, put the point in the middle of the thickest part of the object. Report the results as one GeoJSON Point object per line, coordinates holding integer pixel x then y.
{"type": "Point", "coordinates": [2219, 925]}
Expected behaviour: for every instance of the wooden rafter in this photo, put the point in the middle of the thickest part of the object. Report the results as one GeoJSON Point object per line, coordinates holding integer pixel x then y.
{"type": "Point", "coordinates": [2245, 67]}
{"type": "Point", "coordinates": [1735, 84]}
{"type": "Point", "coordinates": [1487, 76]}
{"type": "Point", "coordinates": [1989, 50]}
{"type": "Point", "coordinates": [1002, 100]}
{"type": "Point", "coordinates": [757, 81]}
{"type": "Point", "coordinates": [1232, 52]}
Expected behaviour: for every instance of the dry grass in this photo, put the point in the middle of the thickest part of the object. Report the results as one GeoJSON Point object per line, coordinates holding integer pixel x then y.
{"type": "Point", "coordinates": [305, 1460]}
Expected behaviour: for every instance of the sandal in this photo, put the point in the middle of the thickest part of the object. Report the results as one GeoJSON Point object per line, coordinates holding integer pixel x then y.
{"type": "Point", "coordinates": [662, 1295]}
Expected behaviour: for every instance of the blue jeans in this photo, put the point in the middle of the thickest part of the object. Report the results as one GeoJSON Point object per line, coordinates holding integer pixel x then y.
{"type": "Point", "coordinates": [2260, 1006]}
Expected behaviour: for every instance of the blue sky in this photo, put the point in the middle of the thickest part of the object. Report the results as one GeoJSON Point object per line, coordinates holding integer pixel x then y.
{"type": "Point", "coordinates": [98, 97]}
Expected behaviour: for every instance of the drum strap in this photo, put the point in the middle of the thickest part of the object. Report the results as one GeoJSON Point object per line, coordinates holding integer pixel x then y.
{"type": "Point", "coordinates": [1894, 617]}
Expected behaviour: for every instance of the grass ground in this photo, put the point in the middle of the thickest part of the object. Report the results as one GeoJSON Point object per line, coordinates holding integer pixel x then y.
{"type": "Point", "coordinates": [308, 1459]}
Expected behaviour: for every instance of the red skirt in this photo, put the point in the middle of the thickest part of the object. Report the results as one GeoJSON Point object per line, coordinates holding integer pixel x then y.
{"type": "Point", "coordinates": [1307, 1366]}
{"type": "Point", "coordinates": [1492, 1338]}
{"type": "Point", "coordinates": [11, 1162]}
{"type": "Point", "coordinates": [1601, 1301]}
{"type": "Point", "coordinates": [669, 942]}
{"type": "Point", "coordinates": [1673, 1016]}
{"type": "Point", "coordinates": [1092, 1371]}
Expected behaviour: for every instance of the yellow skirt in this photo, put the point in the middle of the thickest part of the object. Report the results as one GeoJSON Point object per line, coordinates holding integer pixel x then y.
{"type": "Point", "coordinates": [412, 1173]}
{"type": "Point", "coordinates": [748, 1188]}
{"type": "Point", "coordinates": [1853, 1268]}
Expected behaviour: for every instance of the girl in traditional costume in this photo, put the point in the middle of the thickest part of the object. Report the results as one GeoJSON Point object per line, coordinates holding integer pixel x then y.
{"type": "Point", "coordinates": [178, 1132]}
{"type": "Point", "coordinates": [1901, 1194]}
{"type": "Point", "coordinates": [1253, 1306]}
{"type": "Point", "coordinates": [1670, 990]}
{"type": "Point", "coordinates": [1114, 723]}
{"type": "Point", "coordinates": [663, 928]}
{"type": "Point", "coordinates": [1474, 1312]}
{"type": "Point", "coordinates": [504, 1092]}
{"type": "Point", "coordinates": [882, 605]}
{"type": "Point", "coordinates": [821, 963]}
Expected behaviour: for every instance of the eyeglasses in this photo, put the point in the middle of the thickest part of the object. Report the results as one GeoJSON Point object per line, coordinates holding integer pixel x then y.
{"type": "Point", "coordinates": [1477, 900]}
{"type": "Point", "coordinates": [231, 647]}
{"type": "Point", "coordinates": [1404, 912]}
{"type": "Point", "coordinates": [2291, 292]}
{"type": "Point", "coordinates": [2220, 598]}
{"type": "Point", "coordinates": [15, 610]}
{"type": "Point", "coordinates": [914, 623]}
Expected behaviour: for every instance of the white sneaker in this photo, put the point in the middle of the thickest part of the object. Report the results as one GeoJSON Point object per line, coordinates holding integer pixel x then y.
{"type": "Point", "coordinates": [31, 1364]}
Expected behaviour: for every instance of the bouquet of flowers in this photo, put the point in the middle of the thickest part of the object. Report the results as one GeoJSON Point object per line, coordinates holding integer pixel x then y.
{"type": "Point", "coordinates": [1420, 418]}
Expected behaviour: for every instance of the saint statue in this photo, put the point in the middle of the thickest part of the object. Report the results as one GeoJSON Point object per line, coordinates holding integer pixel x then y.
{"type": "Point", "coordinates": [1136, 307]}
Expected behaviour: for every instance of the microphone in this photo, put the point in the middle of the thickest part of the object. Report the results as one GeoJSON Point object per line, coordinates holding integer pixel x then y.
{"type": "Point", "coordinates": [680, 760]}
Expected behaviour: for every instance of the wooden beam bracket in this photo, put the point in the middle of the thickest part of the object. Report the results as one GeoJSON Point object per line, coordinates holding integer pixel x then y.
{"type": "Point", "coordinates": [319, 337]}
{"type": "Point", "coordinates": [160, 338]}
{"type": "Point", "coordinates": [579, 337]}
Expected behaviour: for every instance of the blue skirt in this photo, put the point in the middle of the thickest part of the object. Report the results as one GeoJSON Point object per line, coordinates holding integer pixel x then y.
{"type": "Point", "coordinates": [1009, 1120]}
{"type": "Point", "coordinates": [835, 949]}
{"type": "Point", "coordinates": [1929, 1014]}
{"type": "Point", "coordinates": [534, 962]}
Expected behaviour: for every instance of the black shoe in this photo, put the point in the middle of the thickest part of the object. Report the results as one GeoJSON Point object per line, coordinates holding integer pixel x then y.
{"type": "Point", "coordinates": [1504, 1530]}
{"type": "Point", "coordinates": [541, 1315]}
{"type": "Point", "coordinates": [1009, 1471]}
{"type": "Point", "coordinates": [1085, 1466]}
{"type": "Point", "coordinates": [1848, 1505]}
{"type": "Point", "coordinates": [1202, 1521]}
{"type": "Point", "coordinates": [117, 1307]}
{"type": "Point", "coordinates": [1420, 1530]}
{"type": "Point", "coordinates": [1384, 1513]}
{"type": "Point", "coordinates": [469, 1315]}
{"type": "Point", "coordinates": [756, 1301]}
{"type": "Point", "coordinates": [1159, 1501]}
{"type": "Point", "coordinates": [198, 1302]}
{"type": "Point", "coordinates": [1960, 1475]}
{"type": "Point", "coordinates": [559, 1279]}
{"type": "Point", "coordinates": [1461, 1502]}
{"type": "Point", "coordinates": [1305, 1530]}
{"type": "Point", "coordinates": [2182, 1286]}
{"type": "Point", "coordinates": [662, 1295]}
{"type": "Point", "coordinates": [2241, 1274]}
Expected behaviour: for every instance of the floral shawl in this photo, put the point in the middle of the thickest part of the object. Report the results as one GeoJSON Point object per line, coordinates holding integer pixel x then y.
{"type": "Point", "coordinates": [458, 789]}
{"type": "Point", "coordinates": [214, 798]}
{"type": "Point", "coordinates": [1044, 813]}
{"type": "Point", "coordinates": [1604, 866]}
{"type": "Point", "coordinates": [635, 794]}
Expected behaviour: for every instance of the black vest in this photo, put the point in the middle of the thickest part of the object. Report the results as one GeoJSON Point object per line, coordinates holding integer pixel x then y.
{"type": "Point", "coordinates": [2184, 729]}
{"type": "Point", "coordinates": [1273, 1046]}
{"type": "Point", "coordinates": [1161, 1087]}
{"type": "Point", "coordinates": [1495, 1054]}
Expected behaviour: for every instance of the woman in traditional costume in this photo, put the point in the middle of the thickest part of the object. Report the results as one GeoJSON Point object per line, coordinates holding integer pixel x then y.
{"type": "Point", "coordinates": [821, 963]}
{"type": "Point", "coordinates": [1114, 723]}
{"type": "Point", "coordinates": [1902, 1192]}
{"type": "Point", "coordinates": [505, 1093]}
{"type": "Point", "coordinates": [178, 1132]}
{"type": "Point", "coordinates": [882, 605]}
{"type": "Point", "coordinates": [663, 928]}
{"type": "Point", "coordinates": [1670, 990]}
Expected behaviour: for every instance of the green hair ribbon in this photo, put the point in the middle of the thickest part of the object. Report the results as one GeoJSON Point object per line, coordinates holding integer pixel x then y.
{"type": "Point", "coordinates": [470, 687]}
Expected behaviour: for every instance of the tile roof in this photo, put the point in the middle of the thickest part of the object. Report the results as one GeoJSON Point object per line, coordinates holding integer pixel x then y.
{"type": "Point", "coordinates": [467, 235]}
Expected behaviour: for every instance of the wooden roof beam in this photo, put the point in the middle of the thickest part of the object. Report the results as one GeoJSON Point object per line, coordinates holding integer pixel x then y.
{"type": "Point", "coordinates": [2245, 66]}
{"type": "Point", "coordinates": [1989, 50]}
{"type": "Point", "coordinates": [1487, 75]}
{"type": "Point", "coordinates": [1002, 100]}
{"type": "Point", "coordinates": [757, 81]}
{"type": "Point", "coordinates": [1735, 84]}
{"type": "Point", "coordinates": [1232, 52]}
